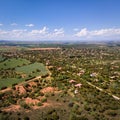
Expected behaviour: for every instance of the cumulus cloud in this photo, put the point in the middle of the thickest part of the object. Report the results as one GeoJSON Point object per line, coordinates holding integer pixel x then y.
{"type": "Point", "coordinates": [101, 33]}
{"type": "Point", "coordinates": [2, 32]}
{"type": "Point", "coordinates": [29, 25]}
{"type": "Point", "coordinates": [13, 24]}
{"type": "Point", "coordinates": [82, 32]}
{"type": "Point", "coordinates": [1, 24]}
{"type": "Point", "coordinates": [42, 31]}
{"type": "Point", "coordinates": [13, 34]}
{"type": "Point", "coordinates": [58, 32]}
{"type": "Point", "coordinates": [35, 34]}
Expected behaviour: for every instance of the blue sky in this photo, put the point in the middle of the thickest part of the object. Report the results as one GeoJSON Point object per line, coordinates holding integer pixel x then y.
{"type": "Point", "coordinates": [59, 20]}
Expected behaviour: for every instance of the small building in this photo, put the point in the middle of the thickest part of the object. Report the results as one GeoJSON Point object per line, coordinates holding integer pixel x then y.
{"type": "Point", "coordinates": [78, 85]}
{"type": "Point", "coordinates": [72, 81]}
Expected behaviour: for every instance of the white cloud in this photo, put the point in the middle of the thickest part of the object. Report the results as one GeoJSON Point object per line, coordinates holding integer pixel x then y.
{"type": "Point", "coordinates": [58, 32]}
{"type": "Point", "coordinates": [101, 33]}
{"type": "Point", "coordinates": [75, 29]}
{"type": "Point", "coordinates": [2, 32]}
{"type": "Point", "coordinates": [13, 34]}
{"type": "Point", "coordinates": [37, 34]}
{"type": "Point", "coordinates": [42, 31]}
{"type": "Point", "coordinates": [82, 32]}
{"type": "Point", "coordinates": [18, 33]}
{"type": "Point", "coordinates": [29, 25]}
{"type": "Point", "coordinates": [13, 24]}
{"type": "Point", "coordinates": [1, 24]}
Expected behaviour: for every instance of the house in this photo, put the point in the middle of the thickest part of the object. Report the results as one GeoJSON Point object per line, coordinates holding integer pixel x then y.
{"type": "Point", "coordinates": [78, 85]}
{"type": "Point", "coordinates": [72, 81]}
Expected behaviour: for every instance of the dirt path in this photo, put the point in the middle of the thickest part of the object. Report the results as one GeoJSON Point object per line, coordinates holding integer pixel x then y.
{"type": "Point", "coordinates": [9, 88]}
{"type": "Point", "coordinates": [100, 89]}
{"type": "Point", "coordinates": [38, 77]}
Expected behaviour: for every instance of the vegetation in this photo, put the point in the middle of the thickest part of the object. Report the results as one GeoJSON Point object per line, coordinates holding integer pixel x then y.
{"type": "Point", "coordinates": [13, 63]}
{"type": "Point", "coordinates": [75, 82]}
{"type": "Point", "coordinates": [17, 70]}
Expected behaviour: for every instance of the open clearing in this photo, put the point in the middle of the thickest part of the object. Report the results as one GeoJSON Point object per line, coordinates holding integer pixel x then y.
{"type": "Point", "coordinates": [44, 48]}
{"type": "Point", "coordinates": [19, 70]}
{"type": "Point", "coordinates": [32, 68]}
{"type": "Point", "coordinates": [12, 63]}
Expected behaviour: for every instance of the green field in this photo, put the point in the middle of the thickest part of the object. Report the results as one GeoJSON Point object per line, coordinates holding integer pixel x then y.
{"type": "Point", "coordinates": [13, 63]}
{"type": "Point", "coordinates": [9, 81]}
{"type": "Point", "coordinates": [32, 68]}
{"type": "Point", "coordinates": [21, 67]}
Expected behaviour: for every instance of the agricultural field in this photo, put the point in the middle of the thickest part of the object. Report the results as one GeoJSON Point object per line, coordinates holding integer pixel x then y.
{"type": "Point", "coordinates": [17, 70]}
{"type": "Point", "coordinates": [74, 82]}
{"type": "Point", "coordinates": [37, 68]}
{"type": "Point", "coordinates": [13, 63]}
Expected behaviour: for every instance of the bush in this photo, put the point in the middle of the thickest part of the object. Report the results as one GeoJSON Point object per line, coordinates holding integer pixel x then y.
{"type": "Point", "coordinates": [24, 105]}
{"type": "Point", "coordinates": [11, 100]}
{"type": "Point", "coordinates": [26, 118]}
{"type": "Point", "coordinates": [87, 108]}
{"type": "Point", "coordinates": [112, 113]}
{"type": "Point", "coordinates": [52, 115]}
{"type": "Point", "coordinates": [44, 99]}
{"type": "Point", "coordinates": [39, 104]}
{"type": "Point", "coordinates": [73, 117]}
{"type": "Point", "coordinates": [13, 87]}
{"type": "Point", "coordinates": [82, 118]}
{"type": "Point", "coordinates": [14, 84]}
{"type": "Point", "coordinates": [4, 87]}
{"type": "Point", "coordinates": [76, 106]}
{"type": "Point", "coordinates": [4, 117]}
{"type": "Point", "coordinates": [71, 104]}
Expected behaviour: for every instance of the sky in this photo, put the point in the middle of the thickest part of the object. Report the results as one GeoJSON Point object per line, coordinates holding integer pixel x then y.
{"type": "Point", "coordinates": [30, 20]}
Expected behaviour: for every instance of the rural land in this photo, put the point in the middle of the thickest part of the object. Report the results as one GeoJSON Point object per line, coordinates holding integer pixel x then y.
{"type": "Point", "coordinates": [59, 81]}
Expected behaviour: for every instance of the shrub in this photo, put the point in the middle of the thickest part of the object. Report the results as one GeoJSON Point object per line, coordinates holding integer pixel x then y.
{"type": "Point", "coordinates": [39, 104]}
{"type": "Point", "coordinates": [82, 118]}
{"type": "Point", "coordinates": [41, 94]}
{"type": "Point", "coordinates": [13, 87]}
{"type": "Point", "coordinates": [14, 84]}
{"type": "Point", "coordinates": [44, 99]}
{"type": "Point", "coordinates": [24, 105]}
{"type": "Point", "coordinates": [4, 116]}
{"type": "Point", "coordinates": [26, 118]}
{"type": "Point", "coordinates": [52, 115]}
{"type": "Point", "coordinates": [72, 117]}
{"type": "Point", "coordinates": [4, 87]}
{"type": "Point", "coordinates": [112, 113]}
{"type": "Point", "coordinates": [71, 104]}
{"type": "Point", "coordinates": [87, 108]}
{"type": "Point", "coordinates": [75, 106]}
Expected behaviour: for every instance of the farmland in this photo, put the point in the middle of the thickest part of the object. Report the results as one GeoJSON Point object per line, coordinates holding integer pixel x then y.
{"type": "Point", "coordinates": [74, 82]}
{"type": "Point", "coordinates": [17, 70]}
{"type": "Point", "coordinates": [13, 63]}
{"type": "Point", "coordinates": [39, 68]}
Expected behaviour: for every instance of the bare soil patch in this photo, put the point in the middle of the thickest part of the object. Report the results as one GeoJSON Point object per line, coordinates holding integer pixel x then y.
{"type": "Point", "coordinates": [49, 90]}
{"type": "Point", "coordinates": [29, 100]}
{"type": "Point", "coordinates": [44, 48]}
{"type": "Point", "coordinates": [20, 89]}
{"type": "Point", "coordinates": [12, 108]}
